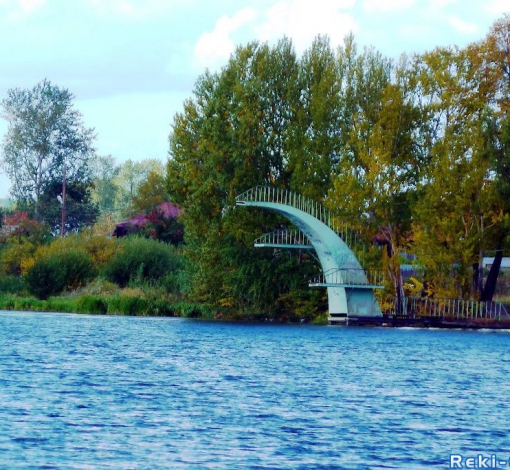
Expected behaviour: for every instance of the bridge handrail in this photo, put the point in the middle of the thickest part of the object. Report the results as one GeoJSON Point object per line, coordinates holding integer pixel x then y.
{"type": "Point", "coordinates": [291, 198]}
{"type": "Point", "coordinates": [284, 237]}
{"type": "Point", "coordinates": [351, 276]}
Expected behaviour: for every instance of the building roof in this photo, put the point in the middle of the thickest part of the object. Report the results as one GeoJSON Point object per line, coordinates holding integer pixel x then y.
{"type": "Point", "coordinates": [165, 209]}
{"type": "Point", "coordinates": [505, 262]}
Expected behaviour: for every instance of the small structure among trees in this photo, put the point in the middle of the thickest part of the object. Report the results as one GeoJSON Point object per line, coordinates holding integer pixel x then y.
{"type": "Point", "coordinates": [161, 223]}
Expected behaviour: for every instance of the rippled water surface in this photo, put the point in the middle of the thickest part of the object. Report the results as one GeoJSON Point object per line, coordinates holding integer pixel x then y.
{"type": "Point", "coordinates": [90, 392]}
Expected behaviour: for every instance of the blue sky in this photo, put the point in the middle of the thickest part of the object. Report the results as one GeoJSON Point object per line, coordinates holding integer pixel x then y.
{"type": "Point", "coordinates": [132, 63]}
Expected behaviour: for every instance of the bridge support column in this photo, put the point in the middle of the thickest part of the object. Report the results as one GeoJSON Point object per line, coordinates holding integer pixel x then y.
{"type": "Point", "coordinates": [337, 305]}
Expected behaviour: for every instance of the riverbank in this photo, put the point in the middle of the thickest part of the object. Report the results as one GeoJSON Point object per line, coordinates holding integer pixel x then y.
{"type": "Point", "coordinates": [116, 304]}
{"type": "Point", "coordinates": [129, 302]}
{"type": "Point", "coordinates": [133, 302]}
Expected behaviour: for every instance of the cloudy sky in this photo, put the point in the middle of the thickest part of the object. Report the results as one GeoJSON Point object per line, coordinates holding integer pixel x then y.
{"type": "Point", "coordinates": [131, 63]}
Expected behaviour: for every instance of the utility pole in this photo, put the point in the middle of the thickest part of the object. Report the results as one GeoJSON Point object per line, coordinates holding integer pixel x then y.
{"type": "Point", "coordinates": [63, 227]}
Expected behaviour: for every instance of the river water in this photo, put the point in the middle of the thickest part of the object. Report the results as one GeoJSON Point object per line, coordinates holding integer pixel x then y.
{"type": "Point", "coordinates": [94, 392]}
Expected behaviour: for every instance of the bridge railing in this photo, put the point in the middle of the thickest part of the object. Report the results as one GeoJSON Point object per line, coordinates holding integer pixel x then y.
{"type": "Point", "coordinates": [291, 198]}
{"type": "Point", "coordinates": [284, 237]}
{"type": "Point", "coordinates": [350, 277]}
{"type": "Point", "coordinates": [449, 308]}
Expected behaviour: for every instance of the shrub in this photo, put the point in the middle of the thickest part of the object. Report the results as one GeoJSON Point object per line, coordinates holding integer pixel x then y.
{"type": "Point", "coordinates": [91, 304]}
{"type": "Point", "coordinates": [193, 310]}
{"type": "Point", "coordinates": [46, 278]}
{"type": "Point", "coordinates": [141, 260]}
{"type": "Point", "coordinates": [16, 256]}
{"type": "Point", "coordinates": [172, 282]}
{"type": "Point", "coordinates": [12, 284]}
{"type": "Point", "coordinates": [78, 268]}
{"type": "Point", "coordinates": [127, 305]}
{"type": "Point", "coordinates": [100, 248]}
{"type": "Point", "coordinates": [53, 273]}
{"type": "Point", "coordinates": [7, 301]}
{"type": "Point", "coordinates": [59, 245]}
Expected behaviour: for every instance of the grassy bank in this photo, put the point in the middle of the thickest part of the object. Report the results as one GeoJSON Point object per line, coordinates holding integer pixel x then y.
{"type": "Point", "coordinates": [128, 302]}
{"type": "Point", "coordinates": [114, 304]}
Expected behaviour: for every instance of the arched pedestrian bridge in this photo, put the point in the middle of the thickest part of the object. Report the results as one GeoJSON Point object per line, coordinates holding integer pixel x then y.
{"type": "Point", "coordinates": [350, 288]}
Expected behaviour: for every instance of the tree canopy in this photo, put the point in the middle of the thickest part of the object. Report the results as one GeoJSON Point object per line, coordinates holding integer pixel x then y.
{"type": "Point", "coordinates": [412, 154]}
{"type": "Point", "coordinates": [45, 133]}
{"type": "Point", "coordinates": [122, 190]}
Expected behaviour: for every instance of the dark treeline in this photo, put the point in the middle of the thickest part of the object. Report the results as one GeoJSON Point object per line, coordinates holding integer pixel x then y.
{"type": "Point", "coordinates": [414, 154]}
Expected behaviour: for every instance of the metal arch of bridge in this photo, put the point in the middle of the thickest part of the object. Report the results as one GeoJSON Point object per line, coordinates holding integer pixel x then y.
{"type": "Point", "coordinates": [345, 298]}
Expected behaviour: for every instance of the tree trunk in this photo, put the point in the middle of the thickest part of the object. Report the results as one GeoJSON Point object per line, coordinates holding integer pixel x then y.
{"type": "Point", "coordinates": [477, 280]}
{"type": "Point", "coordinates": [396, 275]}
{"type": "Point", "coordinates": [490, 283]}
{"type": "Point", "coordinates": [399, 285]}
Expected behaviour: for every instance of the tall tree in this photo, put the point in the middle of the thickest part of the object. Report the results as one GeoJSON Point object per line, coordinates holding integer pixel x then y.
{"type": "Point", "coordinates": [363, 87]}
{"type": "Point", "coordinates": [131, 175]}
{"type": "Point", "coordinates": [45, 134]}
{"type": "Point", "coordinates": [491, 57]}
{"type": "Point", "coordinates": [376, 180]}
{"type": "Point", "coordinates": [231, 136]}
{"type": "Point", "coordinates": [314, 139]}
{"type": "Point", "coordinates": [80, 210]}
{"type": "Point", "coordinates": [458, 207]}
{"type": "Point", "coordinates": [150, 193]}
{"type": "Point", "coordinates": [105, 171]}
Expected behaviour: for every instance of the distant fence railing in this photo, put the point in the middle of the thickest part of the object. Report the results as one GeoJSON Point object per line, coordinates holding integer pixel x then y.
{"type": "Point", "coordinates": [447, 308]}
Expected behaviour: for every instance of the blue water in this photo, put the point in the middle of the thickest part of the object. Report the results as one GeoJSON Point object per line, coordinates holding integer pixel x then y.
{"type": "Point", "coordinates": [93, 392]}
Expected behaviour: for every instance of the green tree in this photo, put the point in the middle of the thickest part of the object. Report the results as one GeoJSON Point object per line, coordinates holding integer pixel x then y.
{"type": "Point", "coordinates": [314, 138]}
{"type": "Point", "coordinates": [363, 78]}
{"type": "Point", "coordinates": [104, 174]}
{"type": "Point", "coordinates": [376, 180]}
{"type": "Point", "coordinates": [458, 207]}
{"type": "Point", "coordinates": [413, 153]}
{"type": "Point", "coordinates": [231, 136]}
{"type": "Point", "coordinates": [150, 193]}
{"type": "Point", "coordinates": [80, 211]}
{"type": "Point", "coordinates": [45, 133]}
{"type": "Point", "coordinates": [131, 175]}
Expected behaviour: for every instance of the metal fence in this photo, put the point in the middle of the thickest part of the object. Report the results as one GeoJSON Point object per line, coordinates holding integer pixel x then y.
{"type": "Point", "coordinates": [447, 308]}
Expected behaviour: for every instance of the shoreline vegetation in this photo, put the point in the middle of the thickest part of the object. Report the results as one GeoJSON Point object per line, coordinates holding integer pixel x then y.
{"type": "Point", "coordinates": [130, 304]}
{"type": "Point", "coordinates": [134, 302]}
